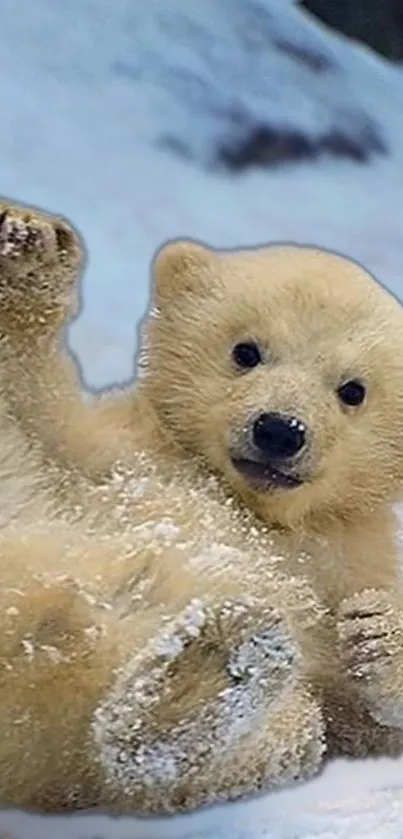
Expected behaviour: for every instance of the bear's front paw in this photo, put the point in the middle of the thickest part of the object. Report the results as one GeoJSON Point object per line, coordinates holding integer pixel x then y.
{"type": "Point", "coordinates": [39, 259]}
{"type": "Point", "coordinates": [370, 628]}
{"type": "Point", "coordinates": [187, 702]}
{"type": "Point", "coordinates": [29, 235]}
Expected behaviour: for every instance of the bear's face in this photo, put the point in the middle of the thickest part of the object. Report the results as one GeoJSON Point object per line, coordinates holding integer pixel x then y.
{"type": "Point", "coordinates": [282, 368]}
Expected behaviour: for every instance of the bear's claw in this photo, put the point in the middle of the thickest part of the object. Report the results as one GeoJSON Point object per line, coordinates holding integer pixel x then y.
{"type": "Point", "coordinates": [370, 628]}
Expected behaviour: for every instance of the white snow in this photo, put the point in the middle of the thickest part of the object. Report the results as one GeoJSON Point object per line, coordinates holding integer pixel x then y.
{"type": "Point", "coordinates": [84, 90]}
{"type": "Point", "coordinates": [349, 801]}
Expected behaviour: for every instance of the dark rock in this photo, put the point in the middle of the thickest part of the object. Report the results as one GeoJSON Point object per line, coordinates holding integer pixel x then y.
{"type": "Point", "coordinates": [360, 150]}
{"type": "Point", "coordinates": [266, 146]}
{"type": "Point", "coordinates": [336, 144]}
{"type": "Point", "coordinates": [378, 23]}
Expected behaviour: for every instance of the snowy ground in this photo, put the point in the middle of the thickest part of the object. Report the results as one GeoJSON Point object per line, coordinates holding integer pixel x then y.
{"type": "Point", "coordinates": [364, 801]}
{"type": "Point", "coordinates": [77, 138]}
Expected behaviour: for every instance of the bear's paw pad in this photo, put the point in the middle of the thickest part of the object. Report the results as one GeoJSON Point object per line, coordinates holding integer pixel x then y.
{"type": "Point", "coordinates": [265, 650]}
{"type": "Point", "coordinates": [26, 234]}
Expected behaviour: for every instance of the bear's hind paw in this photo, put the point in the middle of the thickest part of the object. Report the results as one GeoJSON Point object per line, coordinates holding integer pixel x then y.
{"type": "Point", "coordinates": [187, 702]}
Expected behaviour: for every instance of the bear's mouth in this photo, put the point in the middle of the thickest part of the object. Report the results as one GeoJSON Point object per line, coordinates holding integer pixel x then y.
{"type": "Point", "coordinates": [265, 475]}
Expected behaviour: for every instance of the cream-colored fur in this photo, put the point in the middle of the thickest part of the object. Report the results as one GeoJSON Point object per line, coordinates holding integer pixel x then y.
{"type": "Point", "coordinates": [172, 635]}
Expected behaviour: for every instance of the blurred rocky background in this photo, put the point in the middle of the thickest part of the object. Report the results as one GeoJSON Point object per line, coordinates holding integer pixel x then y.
{"type": "Point", "coordinates": [231, 121]}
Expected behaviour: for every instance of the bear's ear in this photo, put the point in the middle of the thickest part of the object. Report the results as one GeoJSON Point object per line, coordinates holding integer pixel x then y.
{"type": "Point", "coordinates": [179, 267]}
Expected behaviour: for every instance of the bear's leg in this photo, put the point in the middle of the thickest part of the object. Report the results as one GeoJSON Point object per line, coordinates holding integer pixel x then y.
{"type": "Point", "coordinates": [211, 709]}
{"type": "Point", "coordinates": [54, 666]}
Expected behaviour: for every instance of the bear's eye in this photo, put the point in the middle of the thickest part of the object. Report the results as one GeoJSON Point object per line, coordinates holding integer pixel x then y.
{"type": "Point", "coordinates": [352, 393]}
{"type": "Point", "coordinates": [246, 355]}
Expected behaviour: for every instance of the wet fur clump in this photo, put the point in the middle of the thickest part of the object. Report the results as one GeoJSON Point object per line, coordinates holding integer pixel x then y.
{"type": "Point", "coordinates": [199, 589]}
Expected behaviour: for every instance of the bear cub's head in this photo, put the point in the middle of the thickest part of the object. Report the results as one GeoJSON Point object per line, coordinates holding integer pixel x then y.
{"type": "Point", "coordinates": [282, 369]}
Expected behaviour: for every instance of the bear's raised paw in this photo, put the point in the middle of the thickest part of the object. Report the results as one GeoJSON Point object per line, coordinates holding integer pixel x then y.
{"type": "Point", "coordinates": [27, 234]}
{"type": "Point", "coordinates": [40, 256]}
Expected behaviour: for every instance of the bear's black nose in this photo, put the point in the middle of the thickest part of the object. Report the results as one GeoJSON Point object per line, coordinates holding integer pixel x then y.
{"type": "Point", "coordinates": [279, 437]}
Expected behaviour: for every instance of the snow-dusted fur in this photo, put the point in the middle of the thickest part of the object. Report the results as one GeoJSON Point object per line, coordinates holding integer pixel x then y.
{"type": "Point", "coordinates": [172, 636]}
